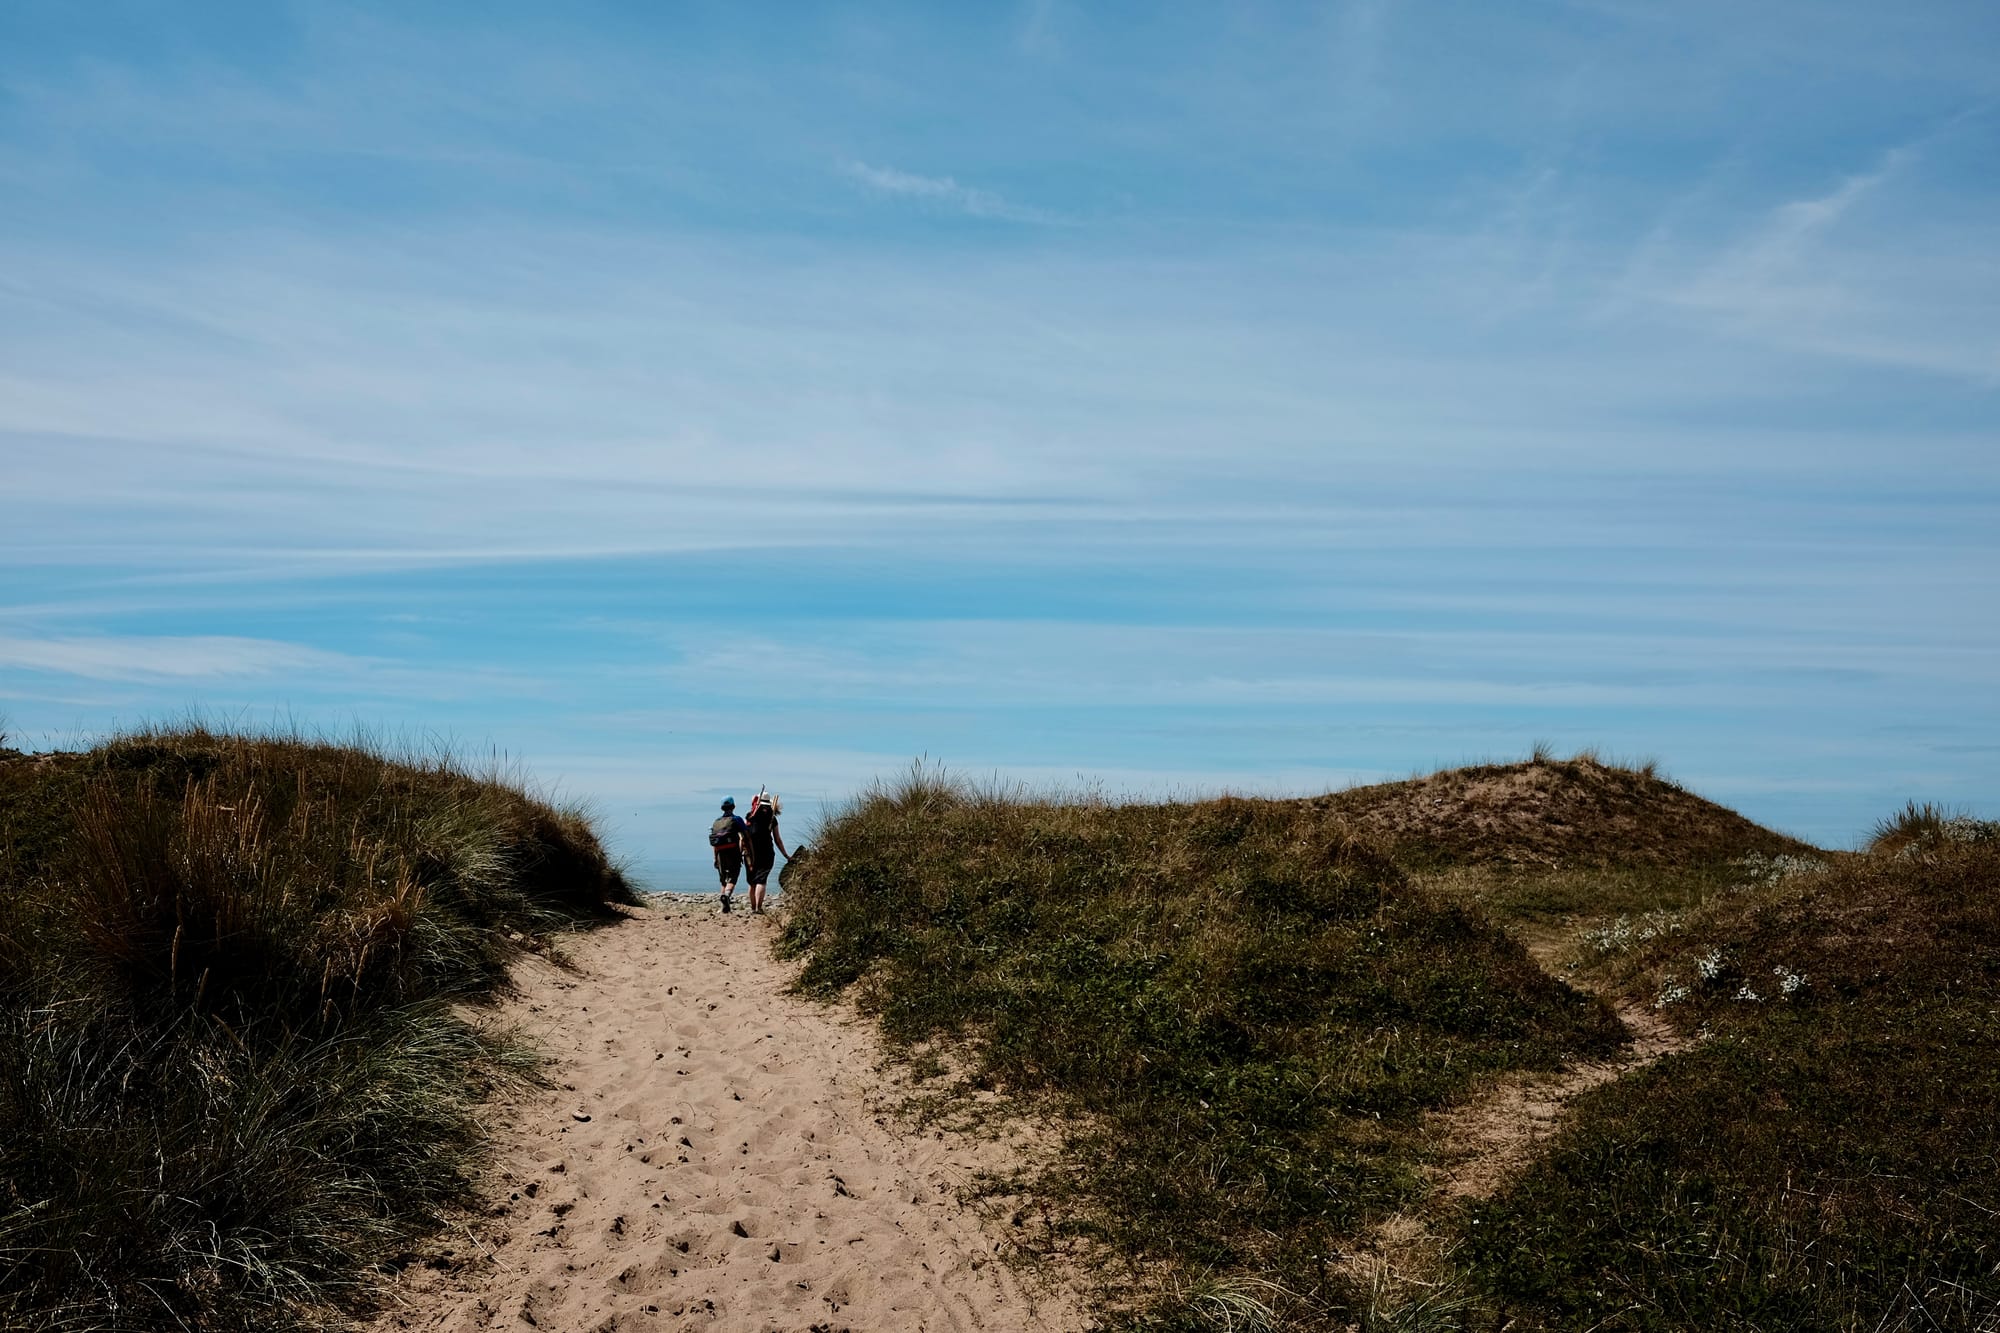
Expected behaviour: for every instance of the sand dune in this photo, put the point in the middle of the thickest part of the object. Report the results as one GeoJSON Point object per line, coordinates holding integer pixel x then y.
{"type": "Point", "coordinates": [717, 1155]}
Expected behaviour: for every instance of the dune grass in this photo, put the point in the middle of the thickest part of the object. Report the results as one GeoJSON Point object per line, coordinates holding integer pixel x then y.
{"type": "Point", "coordinates": [1246, 1006]}
{"type": "Point", "coordinates": [1240, 1008]}
{"type": "Point", "coordinates": [1826, 1157]}
{"type": "Point", "coordinates": [234, 1074]}
{"type": "Point", "coordinates": [1922, 824]}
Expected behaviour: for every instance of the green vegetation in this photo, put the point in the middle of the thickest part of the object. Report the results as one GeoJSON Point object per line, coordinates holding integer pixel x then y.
{"type": "Point", "coordinates": [236, 1072]}
{"type": "Point", "coordinates": [232, 1077]}
{"type": "Point", "coordinates": [1245, 1006]}
{"type": "Point", "coordinates": [1550, 904]}
{"type": "Point", "coordinates": [1550, 847]}
{"type": "Point", "coordinates": [1827, 1157]}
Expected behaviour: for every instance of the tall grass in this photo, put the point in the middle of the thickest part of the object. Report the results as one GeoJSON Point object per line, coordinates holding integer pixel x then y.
{"type": "Point", "coordinates": [233, 1072]}
{"type": "Point", "coordinates": [1242, 1007]}
{"type": "Point", "coordinates": [1924, 824]}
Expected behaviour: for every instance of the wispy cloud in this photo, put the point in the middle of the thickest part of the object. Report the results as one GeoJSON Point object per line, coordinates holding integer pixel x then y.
{"type": "Point", "coordinates": [138, 657]}
{"type": "Point", "coordinates": [1841, 272]}
{"type": "Point", "coordinates": [945, 191]}
{"type": "Point", "coordinates": [1794, 225]}
{"type": "Point", "coordinates": [1237, 483]}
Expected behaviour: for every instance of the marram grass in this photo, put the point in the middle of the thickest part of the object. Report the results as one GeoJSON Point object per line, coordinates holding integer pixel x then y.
{"type": "Point", "coordinates": [234, 1071]}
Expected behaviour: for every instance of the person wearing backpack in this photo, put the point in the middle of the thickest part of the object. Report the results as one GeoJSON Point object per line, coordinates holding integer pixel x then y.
{"type": "Point", "coordinates": [760, 832]}
{"type": "Point", "coordinates": [726, 838]}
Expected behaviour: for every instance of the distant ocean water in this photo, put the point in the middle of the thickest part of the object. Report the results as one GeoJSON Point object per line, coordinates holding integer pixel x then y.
{"type": "Point", "coordinates": [684, 876]}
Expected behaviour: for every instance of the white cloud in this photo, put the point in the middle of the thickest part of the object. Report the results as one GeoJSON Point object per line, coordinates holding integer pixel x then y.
{"type": "Point", "coordinates": [1775, 252]}
{"type": "Point", "coordinates": [1859, 272]}
{"type": "Point", "coordinates": [945, 190]}
{"type": "Point", "coordinates": [135, 657]}
{"type": "Point", "coordinates": [1798, 220]}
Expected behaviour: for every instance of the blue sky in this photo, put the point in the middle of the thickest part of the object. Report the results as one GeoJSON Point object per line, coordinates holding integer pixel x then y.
{"type": "Point", "coordinates": [1169, 399]}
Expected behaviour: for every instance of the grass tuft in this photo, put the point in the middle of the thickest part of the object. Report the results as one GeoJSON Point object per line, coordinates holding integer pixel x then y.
{"type": "Point", "coordinates": [1416, 1307]}
{"type": "Point", "coordinates": [1917, 827]}
{"type": "Point", "coordinates": [1231, 1304]}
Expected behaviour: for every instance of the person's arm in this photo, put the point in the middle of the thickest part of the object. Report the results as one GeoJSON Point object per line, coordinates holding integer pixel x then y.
{"type": "Point", "coordinates": [779, 839]}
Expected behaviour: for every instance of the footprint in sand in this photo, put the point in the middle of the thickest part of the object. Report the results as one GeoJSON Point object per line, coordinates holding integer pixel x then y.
{"type": "Point", "coordinates": [726, 1167]}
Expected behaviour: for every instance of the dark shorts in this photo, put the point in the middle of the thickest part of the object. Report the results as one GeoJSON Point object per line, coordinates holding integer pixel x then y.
{"type": "Point", "coordinates": [729, 867]}
{"type": "Point", "coordinates": [760, 870]}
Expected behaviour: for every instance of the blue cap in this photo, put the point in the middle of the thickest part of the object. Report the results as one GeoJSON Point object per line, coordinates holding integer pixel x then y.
{"type": "Point", "coordinates": [729, 803]}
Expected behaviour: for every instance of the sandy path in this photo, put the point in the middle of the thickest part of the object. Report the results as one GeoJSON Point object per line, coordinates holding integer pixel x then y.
{"type": "Point", "coordinates": [1487, 1141]}
{"type": "Point", "coordinates": [1481, 1145]}
{"type": "Point", "coordinates": [715, 1155]}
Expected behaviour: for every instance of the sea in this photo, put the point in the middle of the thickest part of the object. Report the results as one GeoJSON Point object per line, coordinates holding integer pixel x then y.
{"type": "Point", "coordinates": [684, 876]}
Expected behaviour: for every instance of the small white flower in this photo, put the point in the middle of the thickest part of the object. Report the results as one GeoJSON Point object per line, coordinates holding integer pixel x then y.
{"type": "Point", "coordinates": [1709, 965]}
{"type": "Point", "coordinates": [1747, 994]}
{"type": "Point", "coordinates": [1967, 829]}
{"type": "Point", "coordinates": [1761, 869]}
{"type": "Point", "coordinates": [1671, 992]}
{"type": "Point", "coordinates": [1789, 982]}
{"type": "Point", "coordinates": [1612, 938]}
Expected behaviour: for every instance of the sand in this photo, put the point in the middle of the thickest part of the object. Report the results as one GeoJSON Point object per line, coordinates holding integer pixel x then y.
{"type": "Point", "coordinates": [1486, 1142]}
{"type": "Point", "coordinates": [717, 1155]}
{"type": "Point", "coordinates": [1481, 1145]}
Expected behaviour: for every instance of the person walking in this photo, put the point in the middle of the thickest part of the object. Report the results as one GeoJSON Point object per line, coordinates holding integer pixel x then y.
{"type": "Point", "coordinates": [760, 835]}
{"type": "Point", "coordinates": [726, 836]}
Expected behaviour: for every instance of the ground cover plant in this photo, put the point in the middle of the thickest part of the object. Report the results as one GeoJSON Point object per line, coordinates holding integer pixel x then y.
{"type": "Point", "coordinates": [1827, 1155]}
{"type": "Point", "coordinates": [1247, 1005]}
{"type": "Point", "coordinates": [234, 1073]}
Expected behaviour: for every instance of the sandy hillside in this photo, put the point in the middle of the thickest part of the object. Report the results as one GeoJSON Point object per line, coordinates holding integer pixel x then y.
{"type": "Point", "coordinates": [716, 1155]}
{"type": "Point", "coordinates": [1551, 814]}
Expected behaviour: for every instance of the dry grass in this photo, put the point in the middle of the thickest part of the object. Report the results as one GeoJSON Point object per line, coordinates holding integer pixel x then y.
{"type": "Point", "coordinates": [1576, 814]}
{"type": "Point", "coordinates": [232, 1073]}
{"type": "Point", "coordinates": [1921, 825]}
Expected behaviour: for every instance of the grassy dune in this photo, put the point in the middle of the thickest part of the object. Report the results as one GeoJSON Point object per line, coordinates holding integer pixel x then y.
{"type": "Point", "coordinates": [1248, 1007]}
{"type": "Point", "coordinates": [1546, 845]}
{"type": "Point", "coordinates": [1552, 816]}
{"type": "Point", "coordinates": [232, 1073]}
{"type": "Point", "coordinates": [1828, 1155]}
{"type": "Point", "coordinates": [1248, 1004]}
{"type": "Point", "coordinates": [236, 1072]}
